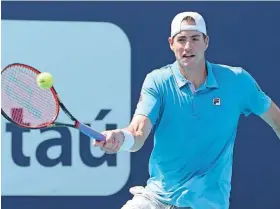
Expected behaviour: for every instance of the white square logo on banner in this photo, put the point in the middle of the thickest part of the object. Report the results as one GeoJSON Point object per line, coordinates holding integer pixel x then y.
{"type": "Point", "coordinates": [91, 65]}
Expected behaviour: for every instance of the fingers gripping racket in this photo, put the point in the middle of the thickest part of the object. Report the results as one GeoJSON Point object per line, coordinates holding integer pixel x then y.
{"type": "Point", "coordinates": [25, 104]}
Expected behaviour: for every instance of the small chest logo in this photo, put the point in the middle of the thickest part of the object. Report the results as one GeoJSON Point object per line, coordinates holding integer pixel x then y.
{"type": "Point", "coordinates": [217, 101]}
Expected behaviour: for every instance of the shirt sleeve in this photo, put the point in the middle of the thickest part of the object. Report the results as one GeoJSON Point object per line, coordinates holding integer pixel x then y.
{"type": "Point", "coordinates": [150, 101]}
{"type": "Point", "coordinates": [255, 100]}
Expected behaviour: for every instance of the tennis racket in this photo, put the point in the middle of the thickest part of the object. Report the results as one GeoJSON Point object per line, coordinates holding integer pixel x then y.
{"type": "Point", "coordinates": [25, 104]}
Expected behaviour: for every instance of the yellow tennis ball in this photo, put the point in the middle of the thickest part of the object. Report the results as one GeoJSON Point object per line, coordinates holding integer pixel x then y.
{"type": "Point", "coordinates": [45, 80]}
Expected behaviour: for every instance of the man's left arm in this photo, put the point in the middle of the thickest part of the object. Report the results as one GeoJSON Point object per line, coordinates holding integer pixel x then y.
{"type": "Point", "coordinates": [256, 101]}
{"type": "Point", "coordinates": [272, 118]}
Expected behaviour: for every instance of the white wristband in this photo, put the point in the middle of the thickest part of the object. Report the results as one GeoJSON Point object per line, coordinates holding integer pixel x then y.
{"type": "Point", "coordinates": [128, 140]}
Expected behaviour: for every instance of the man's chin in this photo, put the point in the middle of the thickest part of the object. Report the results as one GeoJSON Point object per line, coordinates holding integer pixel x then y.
{"type": "Point", "coordinates": [188, 63]}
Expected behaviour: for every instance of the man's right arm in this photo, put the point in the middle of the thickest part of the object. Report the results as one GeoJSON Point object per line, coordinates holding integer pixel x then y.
{"type": "Point", "coordinates": [133, 137]}
{"type": "Point", "coordinates": [140, 127]}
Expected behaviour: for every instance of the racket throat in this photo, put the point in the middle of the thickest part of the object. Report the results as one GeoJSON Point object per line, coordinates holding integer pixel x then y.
{"type": "Point", "coordinates": [77, 124]}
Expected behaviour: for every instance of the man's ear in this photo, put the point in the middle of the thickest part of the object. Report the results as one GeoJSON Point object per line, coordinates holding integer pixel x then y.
{"type": "Point", "coordinates": [206, 40]}
{"type": "Point", "coordinates": [170, 41]}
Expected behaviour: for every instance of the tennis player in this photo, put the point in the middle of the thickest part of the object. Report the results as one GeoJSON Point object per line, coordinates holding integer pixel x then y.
{"type": "Point", "coordinates": [193, 106]}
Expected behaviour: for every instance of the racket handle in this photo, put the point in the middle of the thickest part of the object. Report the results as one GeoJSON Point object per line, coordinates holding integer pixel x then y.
{"type": "Point", "coordinates": [89, 131]}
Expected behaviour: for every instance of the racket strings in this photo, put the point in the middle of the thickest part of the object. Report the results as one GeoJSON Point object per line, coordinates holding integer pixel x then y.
{"type": "Point", "coordinates": [18, 83]}
{"type": "Point", "coordinates": [23, 101]}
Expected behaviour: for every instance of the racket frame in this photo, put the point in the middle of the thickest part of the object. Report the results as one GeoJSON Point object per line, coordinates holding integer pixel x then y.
{"type": "Point", "coordinates": [58, 102]}
{"type": "Point", "coordinates": [80, 126]}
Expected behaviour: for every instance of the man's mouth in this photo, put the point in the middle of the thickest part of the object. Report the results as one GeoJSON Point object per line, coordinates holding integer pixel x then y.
{"type": "Point", "coordinates": [188, 56]}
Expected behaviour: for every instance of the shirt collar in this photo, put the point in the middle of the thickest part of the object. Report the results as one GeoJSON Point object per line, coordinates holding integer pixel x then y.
{"type": "Point", "coordinates": [210, 81]}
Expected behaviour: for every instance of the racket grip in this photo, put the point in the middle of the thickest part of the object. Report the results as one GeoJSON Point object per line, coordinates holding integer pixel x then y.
{"type": "Point", "coordinates": [89, 131]}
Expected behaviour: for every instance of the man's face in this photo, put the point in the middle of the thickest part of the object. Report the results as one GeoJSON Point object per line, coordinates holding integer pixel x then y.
{"type": "Point", "coordinates": [189, 47]}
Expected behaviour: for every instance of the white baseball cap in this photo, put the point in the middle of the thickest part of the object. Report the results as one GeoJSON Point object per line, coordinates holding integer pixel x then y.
{"type": "Point", "coordinates": [177, 27]}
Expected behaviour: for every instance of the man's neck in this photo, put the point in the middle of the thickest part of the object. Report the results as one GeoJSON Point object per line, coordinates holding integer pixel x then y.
{"type": "Point", "coordinates": [196, 75]}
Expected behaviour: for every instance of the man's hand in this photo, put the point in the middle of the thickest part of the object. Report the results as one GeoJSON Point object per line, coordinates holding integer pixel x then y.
{"type": "Point", "coordinates": [112, 143]}
{"type": "Point", "coordinates": [140, 128]}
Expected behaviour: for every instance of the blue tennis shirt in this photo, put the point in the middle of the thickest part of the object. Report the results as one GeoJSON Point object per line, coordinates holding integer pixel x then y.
{"type": "Point", "coordinates": [194, 132]}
